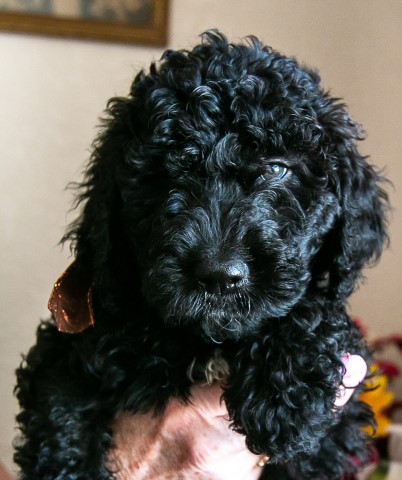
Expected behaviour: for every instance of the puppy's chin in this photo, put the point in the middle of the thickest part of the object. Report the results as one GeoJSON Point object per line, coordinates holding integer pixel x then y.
{"type": "Point", "coordinates": [217, 325]}
{"type": "Point", "coordinates": [219, 333]}
{"type": "Point", "coordinates": [210, 331]}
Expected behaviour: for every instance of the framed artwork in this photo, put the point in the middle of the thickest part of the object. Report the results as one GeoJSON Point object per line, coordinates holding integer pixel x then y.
{"type": "Point", "coordinates": [127, 21]}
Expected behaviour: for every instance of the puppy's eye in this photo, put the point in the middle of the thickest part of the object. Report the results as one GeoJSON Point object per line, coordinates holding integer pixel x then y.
{"type": "Point", "coordinates": [275, 170]}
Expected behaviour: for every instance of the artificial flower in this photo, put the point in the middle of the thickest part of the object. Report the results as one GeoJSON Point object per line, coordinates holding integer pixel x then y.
{"type": "Point", "coordinates": [379, 398]}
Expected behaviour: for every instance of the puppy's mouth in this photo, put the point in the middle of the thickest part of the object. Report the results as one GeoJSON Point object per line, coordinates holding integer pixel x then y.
{"type": "Point", "coordinates": [219, 316]}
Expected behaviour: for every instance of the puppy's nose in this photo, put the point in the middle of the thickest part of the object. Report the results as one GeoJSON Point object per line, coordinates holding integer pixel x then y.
{"type": "Point", "coordinates": [222, 277]}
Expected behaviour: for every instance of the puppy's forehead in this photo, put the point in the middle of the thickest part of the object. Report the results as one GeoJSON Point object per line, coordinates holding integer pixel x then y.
{"type": "Point", "coordinates": [225, 124]}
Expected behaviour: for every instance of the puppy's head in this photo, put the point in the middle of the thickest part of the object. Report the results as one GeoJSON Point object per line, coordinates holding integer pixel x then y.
{"type": "Point", "coordinates": [227, 188]}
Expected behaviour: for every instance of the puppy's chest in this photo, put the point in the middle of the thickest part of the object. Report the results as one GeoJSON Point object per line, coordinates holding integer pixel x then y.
{"type": "Point", "coordinates": [157, 370]}
{"type": "Point", "coordinates": [202, 365]}
{"type": "Point", "coordinates": [211, 369]}
{"type": "Point", "coordinates": [190, 360]}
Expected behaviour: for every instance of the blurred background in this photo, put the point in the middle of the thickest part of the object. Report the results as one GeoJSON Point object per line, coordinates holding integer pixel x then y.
{"type": "Point", "coordinates": [54, 90]}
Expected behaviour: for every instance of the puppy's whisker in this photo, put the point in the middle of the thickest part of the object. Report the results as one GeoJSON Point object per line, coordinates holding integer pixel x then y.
{"type": "Point", "coordinates": [226, 326]}
{"type": "Point", "coordinates": [218, 342]}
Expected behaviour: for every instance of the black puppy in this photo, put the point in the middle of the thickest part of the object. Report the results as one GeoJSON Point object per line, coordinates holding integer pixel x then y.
{"type": "Point", "coordinates": [227, 217]}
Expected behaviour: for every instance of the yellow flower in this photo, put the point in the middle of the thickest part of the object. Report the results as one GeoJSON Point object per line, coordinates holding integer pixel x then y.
{"type": "Point", "coordinates": [379, 400]}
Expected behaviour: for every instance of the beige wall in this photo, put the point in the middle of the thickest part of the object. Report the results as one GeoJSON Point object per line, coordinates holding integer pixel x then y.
{"type": "Point", "coordinates": [53, 91]}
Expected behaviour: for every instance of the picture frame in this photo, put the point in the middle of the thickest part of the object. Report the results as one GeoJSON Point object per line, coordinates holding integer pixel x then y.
{"type": "Point", "coordinates": [124, 21]}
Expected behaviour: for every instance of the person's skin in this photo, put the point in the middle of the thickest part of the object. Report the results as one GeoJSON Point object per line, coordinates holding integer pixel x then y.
{"type": "Point", "coordinates": [194, 441]}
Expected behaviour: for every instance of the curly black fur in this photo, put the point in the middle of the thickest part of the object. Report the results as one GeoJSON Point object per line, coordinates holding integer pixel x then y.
{"type": "Point", "coordinates": [225, 206]}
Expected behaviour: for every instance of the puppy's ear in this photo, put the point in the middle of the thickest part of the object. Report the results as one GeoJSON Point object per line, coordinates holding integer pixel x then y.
{"type": "Point", "coordinates": [360, 231]}
{"type": "Point", "coordinates": [96, 235]}
{"type": "Point", "coordinates": [91, 235]}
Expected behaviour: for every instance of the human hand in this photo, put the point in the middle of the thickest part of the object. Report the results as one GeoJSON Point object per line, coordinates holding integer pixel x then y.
{"type": "Point", "coordinates": [356, 369]}
{"type": "Point", "coordinates": [184, 442]}
{"type": "Point", "coordinates": [193, 441]}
